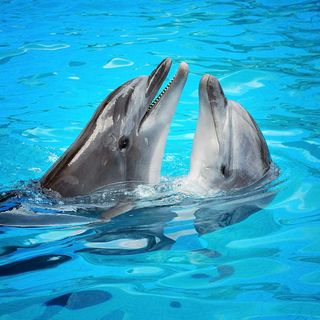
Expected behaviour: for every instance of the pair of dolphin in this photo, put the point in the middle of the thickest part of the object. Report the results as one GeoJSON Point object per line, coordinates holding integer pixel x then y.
{"type": "Point", "coordinates": [125, 139]}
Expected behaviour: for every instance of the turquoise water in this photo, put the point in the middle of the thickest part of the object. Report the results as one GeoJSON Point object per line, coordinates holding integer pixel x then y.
{"type": "Point", "coordinates": [250, 256]}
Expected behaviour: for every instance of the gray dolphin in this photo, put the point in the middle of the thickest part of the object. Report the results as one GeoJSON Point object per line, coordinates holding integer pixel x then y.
{"type": "Point", "coordinates": [125, 138]}
{"type": "Point", "coordinates": [229, 150]}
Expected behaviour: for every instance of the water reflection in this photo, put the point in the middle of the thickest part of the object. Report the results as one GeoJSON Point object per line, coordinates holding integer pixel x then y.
{"type": "Point", "coordinates": [117, 221]}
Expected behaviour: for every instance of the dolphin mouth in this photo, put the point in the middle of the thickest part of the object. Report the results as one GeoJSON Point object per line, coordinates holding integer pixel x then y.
{"type": "Point", "coordinates": [214, 100]}
{"type": "Point", "coordinates": [158, 98]}
{"type": "Point", "coordinates": [156, 79]}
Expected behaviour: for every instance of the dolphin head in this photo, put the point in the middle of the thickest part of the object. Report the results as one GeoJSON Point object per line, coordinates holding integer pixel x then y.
{"type": "Point", "coordinates": [125, 138]}
{"type": "Point", "coordinates": [229, 150]}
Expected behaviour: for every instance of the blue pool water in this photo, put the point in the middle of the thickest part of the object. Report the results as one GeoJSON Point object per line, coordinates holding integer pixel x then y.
{"type": "Point", "coordinates": [249, 256]}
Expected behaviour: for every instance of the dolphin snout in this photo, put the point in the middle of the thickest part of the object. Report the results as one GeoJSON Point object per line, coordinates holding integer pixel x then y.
{"type": "Point", "coordinates": [157, 77]}
{"type": "Point", "coordinates": [184, 68]}
{"type": "Point", "coordinates": [214, 91]}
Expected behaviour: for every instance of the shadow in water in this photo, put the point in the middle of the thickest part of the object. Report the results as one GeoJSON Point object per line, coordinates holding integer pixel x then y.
{"type": "Point", "coordinates": [153, 228]}
{"type": "Point", "coordinates": [154, 223]}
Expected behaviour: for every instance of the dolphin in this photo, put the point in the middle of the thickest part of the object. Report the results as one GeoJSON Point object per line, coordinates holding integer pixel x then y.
{"type": "Point", "coordinates": [229, 150]}
{"type": "Point", "coordinates": [125, 138]}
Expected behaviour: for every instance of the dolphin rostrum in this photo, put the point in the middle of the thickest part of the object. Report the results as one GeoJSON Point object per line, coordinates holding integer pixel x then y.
{"type": "Point", "coordinates": [125, 138]}
{"type": "Point", "coordinates": [229, 150]}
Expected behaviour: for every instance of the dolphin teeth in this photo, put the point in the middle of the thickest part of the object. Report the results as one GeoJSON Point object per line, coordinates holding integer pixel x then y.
{"type": "Point", "coordinates": [155, 102]}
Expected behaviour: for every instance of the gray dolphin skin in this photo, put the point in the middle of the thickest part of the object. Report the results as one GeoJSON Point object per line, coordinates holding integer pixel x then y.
{"type": "Point", "coordinates": [229, 150]}
{"type": "Point", "coordinates": [125, 138]}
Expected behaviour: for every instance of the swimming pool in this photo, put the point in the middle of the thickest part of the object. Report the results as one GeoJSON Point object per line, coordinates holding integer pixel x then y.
{"type": "Point", "coordinates": [196, 260]}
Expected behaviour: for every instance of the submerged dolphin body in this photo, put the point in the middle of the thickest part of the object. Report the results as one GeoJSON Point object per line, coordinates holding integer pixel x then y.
{"type": "Point", "coordinates": [125, 138]}
{"type": "Point", "coordinates": [229, 150]}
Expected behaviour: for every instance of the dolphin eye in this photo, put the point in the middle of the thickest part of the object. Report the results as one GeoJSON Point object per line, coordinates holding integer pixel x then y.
{"type": "Point", "coordinates": [223, 170]}
{"type": "Point", "coordinates": [123, 143]}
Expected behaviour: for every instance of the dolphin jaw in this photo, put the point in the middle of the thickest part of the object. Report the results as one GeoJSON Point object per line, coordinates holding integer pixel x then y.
{"type": "Point", "coordinates": [155, 124]}
{"type": "Point", "coordinates": [155, 101]}
{"type": "Point", "coordinates": [156, 79]}
{"type": "Point", "coordinates": [177, 81]}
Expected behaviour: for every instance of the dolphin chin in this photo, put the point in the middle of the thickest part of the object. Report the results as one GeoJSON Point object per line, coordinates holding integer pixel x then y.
{"type": "Point", "coordinates": [125, 138]}
{"type": "Point", "coordinates": [229, 150]}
